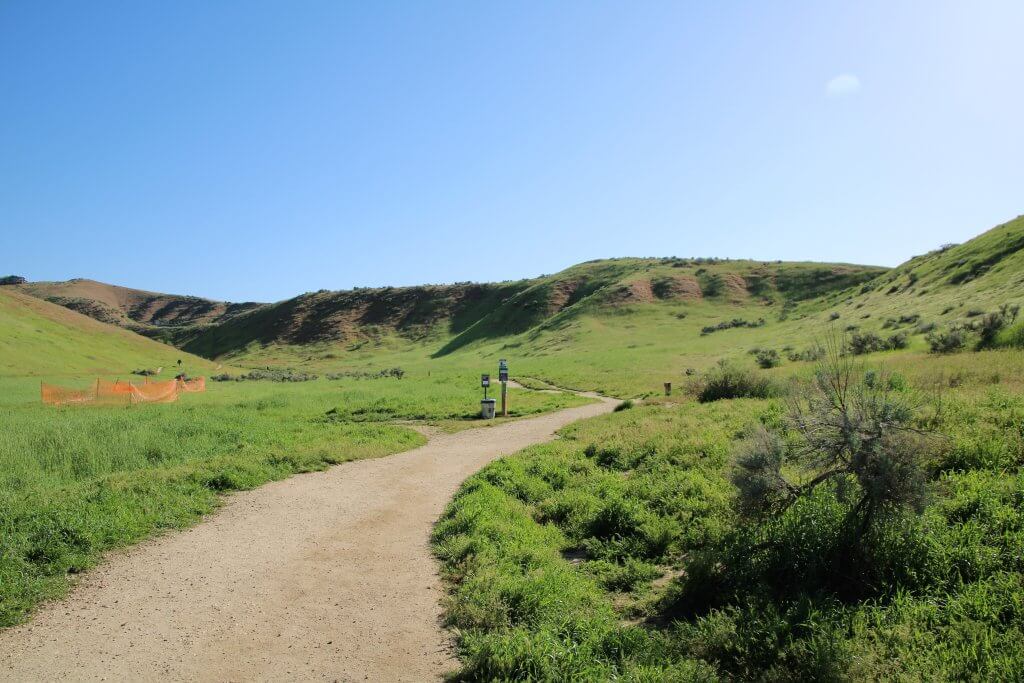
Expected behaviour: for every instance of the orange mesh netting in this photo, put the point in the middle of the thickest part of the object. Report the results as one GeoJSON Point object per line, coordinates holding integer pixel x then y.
{"type": "Point", "coordinates": [156, 392]}
{"type": "Point", "coordinates": [197, 384]}
{"type": "Point", "coordinates": [59, 396]}
{"type": "Point", "coordinates": [105, 392]}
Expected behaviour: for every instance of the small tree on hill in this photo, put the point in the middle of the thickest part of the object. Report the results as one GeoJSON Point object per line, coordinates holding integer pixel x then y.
{"type": "Point", "coordinates": [849, 428]}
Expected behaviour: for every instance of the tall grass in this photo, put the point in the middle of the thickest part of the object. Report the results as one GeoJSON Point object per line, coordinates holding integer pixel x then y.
{"type": "Point", "coordinates": [77, 481]}
{"type": "Point", "coordinates": [550, 555]}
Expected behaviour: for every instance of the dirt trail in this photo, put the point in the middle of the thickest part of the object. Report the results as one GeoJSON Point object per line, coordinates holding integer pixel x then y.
{"type": "Point", "coordinates": [323, 576]}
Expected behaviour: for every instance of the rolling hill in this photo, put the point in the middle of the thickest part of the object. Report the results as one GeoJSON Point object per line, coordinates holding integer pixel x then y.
{"type": "Point", "coordinates": [38, 338]}
{"type": "Point", "coordinates": [669, 315]}
{"type": "Point", "coordinates": [149, 313]}
{"type": "Point", "coordinates": [449, 316]}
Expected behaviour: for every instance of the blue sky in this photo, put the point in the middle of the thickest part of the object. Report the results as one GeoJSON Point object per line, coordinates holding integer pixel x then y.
{"type": "Point", "coordinates": [253, 151]}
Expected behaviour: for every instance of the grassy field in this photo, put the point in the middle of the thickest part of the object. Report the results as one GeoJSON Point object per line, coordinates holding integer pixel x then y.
{"type": "Point", "coordinates": [622, 551]}
{"type": "Point", "coordinates": [77, 481]}
{"type": "Point", "coordinates": [618, 552]}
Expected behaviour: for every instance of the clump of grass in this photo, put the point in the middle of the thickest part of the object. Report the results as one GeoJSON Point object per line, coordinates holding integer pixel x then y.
{"type": "Point", "coordinates": [625, 405]}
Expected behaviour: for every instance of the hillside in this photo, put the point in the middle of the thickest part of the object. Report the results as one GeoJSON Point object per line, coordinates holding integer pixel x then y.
{"type": "Point", "coordinates": [38, 338]}
{"type": "Point", "coordinates": [149, 313]}
{"type": "Point", "coordinates": [672, 315]}
{"type": "Point", "coordinates": [951, 283]}
{"type": "Point", "coordinates": [451, 317]}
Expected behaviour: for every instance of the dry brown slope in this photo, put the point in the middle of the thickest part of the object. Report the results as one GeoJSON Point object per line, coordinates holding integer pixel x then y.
{"type": "Point", "coordinates": [324, 576]}
{"type": "Point", "coordinates": [134, 308]}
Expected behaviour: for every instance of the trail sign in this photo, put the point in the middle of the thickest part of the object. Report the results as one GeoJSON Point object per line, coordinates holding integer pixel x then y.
{"type": "Point", "coordinates": [502, 370]}
{"type": "Point", "coordinates": [485, 381]}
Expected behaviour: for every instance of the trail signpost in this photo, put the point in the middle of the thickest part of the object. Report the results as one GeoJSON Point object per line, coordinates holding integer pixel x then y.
{"type": "Point", "coordinates": [503, 378]}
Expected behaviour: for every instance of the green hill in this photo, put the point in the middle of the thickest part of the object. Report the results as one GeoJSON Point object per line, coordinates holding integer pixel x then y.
{"type": "Point", "coordinates": [150, 313]}
{"type": "Point", "coordinates": [622, 325]}
{"type": "Point", "coordinates": [38, 338]}
{"type": "Point", "coordinates": [452, 317]}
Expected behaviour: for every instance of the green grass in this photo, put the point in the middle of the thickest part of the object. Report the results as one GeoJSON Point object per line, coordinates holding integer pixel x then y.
{"type": "Point", "coordinates": [614, 336]}
{"type": "Point", "coordinates": [581, 559]}
{"type": "Point", "coordinates": [615, 553]}
{"type": "Point", "coordinates": [39, 339]}
{"type": "Point", "coordinates": [77, 481]}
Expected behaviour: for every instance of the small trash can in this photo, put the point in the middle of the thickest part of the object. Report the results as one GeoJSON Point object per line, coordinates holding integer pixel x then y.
{"type": "Point", "coordinates": [487, 408]}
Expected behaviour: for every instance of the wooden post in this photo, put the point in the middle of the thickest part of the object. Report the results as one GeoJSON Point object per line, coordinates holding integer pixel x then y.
{"type": "Point", "coordinates": [504, 399]}
{"type": "Point", "coordinates": [668, 388]}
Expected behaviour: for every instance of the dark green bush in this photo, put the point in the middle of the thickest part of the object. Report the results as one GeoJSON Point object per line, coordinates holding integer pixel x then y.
{"type": "Point", "coordinates": [900, 340]}
{"type": "Point", "coordinates": [865, 342]}
{"type": "Point", "coordinates": [949, 341]}
{"type": "Point", "coordinates": [397, 373]}
{"type": "Point", "coordinates": [992, 324]}
{"type": "Point", "coordinates": [727, 381]}
{"type": "Point", "coordinates": [266, 375]}
{"type": "Point", "coordinates": [730, 324]}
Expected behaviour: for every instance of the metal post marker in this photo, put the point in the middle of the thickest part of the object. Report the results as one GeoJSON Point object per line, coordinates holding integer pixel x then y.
{"type": "Point", "coordinates": [503, 378]}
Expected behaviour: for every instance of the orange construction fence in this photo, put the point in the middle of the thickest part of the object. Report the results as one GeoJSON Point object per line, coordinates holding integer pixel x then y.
{"type": "Point", "coordinates": [105, 392]}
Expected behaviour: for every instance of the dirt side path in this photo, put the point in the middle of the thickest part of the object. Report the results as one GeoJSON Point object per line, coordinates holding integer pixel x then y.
{"type": "Point", "coordinates": [323, 576]}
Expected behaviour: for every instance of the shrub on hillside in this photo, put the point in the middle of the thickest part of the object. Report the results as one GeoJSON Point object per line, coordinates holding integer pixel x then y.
{"type": "Point", "coordinates": [870, 342]}
{"type": "Point", "coordinates": [993, 323]}
{"type": "Point", "coordinates": [768, 358]}
{"type": "Point", "coordinates": [266, 375]}
{"type": "Point", "coordinates": [729, 324]}
{"type": "Point", "coordinates": [864, 342]}
{"type": "Point", "coordinates": [850, 429]}
{"type": "Point", "coordinates": [727, 381]}
{"type": "Point", "coordinates": [1012, 336]}
{"type": "Point", "coordinates": [900, 340]}
{"type": "Point", "coordinates": [949, 341]}
{"type": "Point", "coordinates": [397, 373]}
{"type": "Point", "coordinates": [811, 353]}
{"type": "Point", "coordinates": [12, 280]}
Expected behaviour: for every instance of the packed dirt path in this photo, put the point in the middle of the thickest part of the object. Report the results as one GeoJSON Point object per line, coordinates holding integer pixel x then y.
{"type": "Point", "coordinates": [323, 576]}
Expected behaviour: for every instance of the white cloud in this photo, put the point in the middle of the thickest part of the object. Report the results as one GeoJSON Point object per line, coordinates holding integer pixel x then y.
{"type": "Point", "coordinates": [843, 84]}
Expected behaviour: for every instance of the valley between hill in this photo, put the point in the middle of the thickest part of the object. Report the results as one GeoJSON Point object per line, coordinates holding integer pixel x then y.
{"type": "Point", "coordinates": [738, 528]}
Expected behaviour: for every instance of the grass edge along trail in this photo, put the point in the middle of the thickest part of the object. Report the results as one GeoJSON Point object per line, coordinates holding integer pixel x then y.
{"type": "Point", "coordinates": [619, 553]}
{"type": "Point", "coordinates": [48, 536]}
{"type": "Point", "coordinates": [76, 482]}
